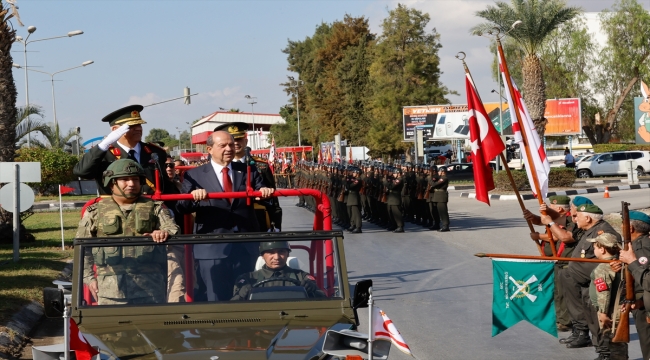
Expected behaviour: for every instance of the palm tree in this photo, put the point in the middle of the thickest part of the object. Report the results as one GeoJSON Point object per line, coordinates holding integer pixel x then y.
{"type": "Point", "coordinates": [8, 91]}
{"type": "Point", "coordinates": [26, 125]}
{"type": "Point", "coordinates": [53, 139]}
{"type": "Point", "coordinates": [539, 19]}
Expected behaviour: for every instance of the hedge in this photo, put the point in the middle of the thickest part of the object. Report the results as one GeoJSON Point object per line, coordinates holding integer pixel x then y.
{"type": "Point", "coordinates": [601, 148]}
{"type": "Point", "coordinates": [56, 167]}
{"type": "Point", "coordinates": [559, 177]}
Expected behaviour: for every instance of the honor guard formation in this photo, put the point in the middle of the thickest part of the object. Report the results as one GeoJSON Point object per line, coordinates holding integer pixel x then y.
{"type": "Point", "coordinates": [386, 195]}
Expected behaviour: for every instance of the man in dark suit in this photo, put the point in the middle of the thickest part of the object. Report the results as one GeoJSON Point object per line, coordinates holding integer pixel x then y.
{"type": "Point", "coordinates": [221, 264]}
{"type": "Point", "coordinates": [124, 142]}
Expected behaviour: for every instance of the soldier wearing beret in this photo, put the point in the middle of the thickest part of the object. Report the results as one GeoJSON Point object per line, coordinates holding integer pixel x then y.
{"type": "Point", "coordinates": [576, 278]}
{"type": "Point", "coordinates": [239, 131]}
{"type": "Point", "coordinates": [637, 257]}
{"type": "Point", "coordinates": [125, 142]}
{"type": "Point", "coordinates": [439, 197]}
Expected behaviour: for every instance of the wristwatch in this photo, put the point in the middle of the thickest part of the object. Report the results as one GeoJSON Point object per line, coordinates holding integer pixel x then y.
{"type": "Point", "coordinates": [551, 224]}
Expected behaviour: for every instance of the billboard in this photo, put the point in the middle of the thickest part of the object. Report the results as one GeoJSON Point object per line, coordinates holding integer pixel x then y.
{"type": "Point", "coordinates": [642, 120]}
{"type": "Point", "coordinates": [447, 122]}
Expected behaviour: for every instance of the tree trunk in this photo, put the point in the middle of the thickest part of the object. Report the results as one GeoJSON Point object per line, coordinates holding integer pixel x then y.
{"type": "Point", "coordinates": [8, 91]}
{"type": "Point", "coordinates": [611, 114]}
{"type": "Point", "coordinates": [534, 92]}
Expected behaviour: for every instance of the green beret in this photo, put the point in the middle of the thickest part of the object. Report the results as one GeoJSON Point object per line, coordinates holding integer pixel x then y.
{"type": "Point", "coordinates": [126, 115]}
{"type": "Point", "coordinates": [581, 200]}
{"type": "Point", "coordinates": [590, 208]}
{"type": "Point", "coordinates": [559, 200]}
{"type": "Point", "coordinates": [640, 216]}
{"type": "Point", "coordinates": [238, 130]}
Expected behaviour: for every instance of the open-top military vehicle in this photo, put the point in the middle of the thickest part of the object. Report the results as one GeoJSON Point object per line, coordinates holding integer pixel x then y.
{"type": "Point", "coordinates": [283, 321]}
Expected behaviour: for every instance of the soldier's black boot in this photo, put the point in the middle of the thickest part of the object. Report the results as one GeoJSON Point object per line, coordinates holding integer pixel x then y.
{"type": "Point", "coordinates": [435, 227]}
{"type": "Point", "coordinates": [570, 338]}
{"type": "Point", "coordinates": [399, 230]}
{"type": "Point", "coordinates": [583, 340]}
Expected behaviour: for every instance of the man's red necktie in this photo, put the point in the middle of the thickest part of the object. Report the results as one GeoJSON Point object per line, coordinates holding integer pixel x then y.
{"type": "Point", "coordinates": [227, 183]}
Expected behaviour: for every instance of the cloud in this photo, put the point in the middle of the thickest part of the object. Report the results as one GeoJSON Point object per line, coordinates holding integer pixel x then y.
{"type": "Point", "coordinates": [145, 100]}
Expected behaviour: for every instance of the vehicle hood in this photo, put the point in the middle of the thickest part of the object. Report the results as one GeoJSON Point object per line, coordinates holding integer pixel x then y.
{"type": "Point", "coordinates": [269, 340]}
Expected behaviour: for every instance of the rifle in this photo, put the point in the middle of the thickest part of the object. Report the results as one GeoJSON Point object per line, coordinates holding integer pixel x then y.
{"type": "Point", "coordinates": [341, 197]}
{"type": "Point", "coordinates": [622, 334]}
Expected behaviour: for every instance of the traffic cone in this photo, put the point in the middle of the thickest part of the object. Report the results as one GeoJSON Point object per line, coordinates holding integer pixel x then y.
{"type": "Point", "coordinates": [606, 195]}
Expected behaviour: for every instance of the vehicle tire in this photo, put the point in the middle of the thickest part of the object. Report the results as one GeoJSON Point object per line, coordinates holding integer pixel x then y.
{"type": "Point", "coordinates": [639, 171]}
{"type": "Point", "coordinates": [584, 174]}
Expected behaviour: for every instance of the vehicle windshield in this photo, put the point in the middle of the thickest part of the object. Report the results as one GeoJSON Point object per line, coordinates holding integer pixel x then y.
{"type": "Point", "coordinates": [186, 270]}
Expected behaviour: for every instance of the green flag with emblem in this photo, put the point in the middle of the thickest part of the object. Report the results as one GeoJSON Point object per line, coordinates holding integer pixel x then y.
{"type": "Point", "coordinates": [523, 290]}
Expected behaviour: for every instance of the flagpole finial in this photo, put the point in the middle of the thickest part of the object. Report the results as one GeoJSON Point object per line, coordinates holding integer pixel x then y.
{"type": "Point", "coordinates": [480, 255]}
{"type": "Point", "coordinates": [461, 56]}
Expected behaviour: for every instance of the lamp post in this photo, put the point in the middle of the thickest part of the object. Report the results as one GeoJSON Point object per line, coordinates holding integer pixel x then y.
{"type": "Point", "coordinates": [25, 41]}
{"type": "Point", "coordinates": [56, 124]}
{"type": "Point", "coordinates": [190, 144]}
{"type": "Point", "coordinates": [253, 102]}
{"type": "Point", "coordinates": [180, 143]}
{"type": "Point", "coordinates": [296, 84]}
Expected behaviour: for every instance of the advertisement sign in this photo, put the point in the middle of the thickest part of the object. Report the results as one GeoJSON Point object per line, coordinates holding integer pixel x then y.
{"type": "Point", "coordinates": [642, 120]}
{"type": "Point", "coordinates": [449, 122]}
{"type": "Point", "coordinates": [563, 117]}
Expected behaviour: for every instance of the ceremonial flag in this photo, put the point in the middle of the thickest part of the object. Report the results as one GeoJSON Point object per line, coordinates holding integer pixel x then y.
{"type": "Point", "coordinates": [350, 155]}
{"type": "Point", "coordinates": [66, 189]}
{"type": "Point", "coordinates": [272, 154]}
{"type": "Point", "coordinates": [384, 329]}
{"type": "Point", "coordinates": [78, 343]}
{"type": "Point", "coordinates": [320, 154]}
{"type": "Point", "coordinates": [284, 162]}
{"type": "Point", "coordinates": [535, 146]}
{"type": "Point", "coordinates": [523, 290]}
{"type": "Point", "coordinates": [485, 142]}
{"type": "Point", "coordinates": [304, 157]}
{"type": "Point", "coordinates": [329, 154]}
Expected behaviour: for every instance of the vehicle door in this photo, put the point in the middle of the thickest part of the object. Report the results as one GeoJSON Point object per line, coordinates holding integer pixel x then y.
{"type": "Point", "coordinates": [636, 157]}
{"type": "Point", "coordinates": [604, 165]}
{"type": "Point", "coordinates": [620, 161]}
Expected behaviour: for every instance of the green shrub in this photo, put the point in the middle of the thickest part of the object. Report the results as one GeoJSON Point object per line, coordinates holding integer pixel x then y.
{"type": "Point", "coordinates": [559, 177]}
{"type": "Point", "coordinates": [56, 167]}
{"type": "Point", "coordinates": [601, 148]}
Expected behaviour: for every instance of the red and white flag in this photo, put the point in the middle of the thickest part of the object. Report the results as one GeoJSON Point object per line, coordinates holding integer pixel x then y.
{"type": "Point", "coordinates": [384, 329]}
{"type": "Point", "coordinates": [485, 142]}
{"type": "Point", "coordinates": [329, 154]}
{"type": "Point", "coordinates": [272, 154]}
{"type": "Point", "coordinates": [320, 154]}
{"type": "Point", "coordinates": [338, 155]}
{"type": "Point", "coordinates": [304, 157]}
{"type": "Point", "coordinates": [78, 343]}
{"type": "Point", "coordinates": [65, 189]}
{"type": "Point", "coordinates": [350, 160]}
{"type": "Point", "coordinates": [535, 146]}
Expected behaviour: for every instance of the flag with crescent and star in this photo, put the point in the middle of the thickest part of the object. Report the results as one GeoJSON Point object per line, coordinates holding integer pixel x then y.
{"type": "Point", "coordinates": [485, 142]}
{"type": "Point", "coordinates": [272, 155]}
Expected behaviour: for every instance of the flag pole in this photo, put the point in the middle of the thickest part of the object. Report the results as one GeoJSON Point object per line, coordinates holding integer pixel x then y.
{"type": "Point", "coordinates": [533, 257]}
{"type": "Point", "coordinates": [530, 163]}
{"type": "Point", "coordinates": [61, 219]}
{"type": "Point", "coordinates": [503, 159]}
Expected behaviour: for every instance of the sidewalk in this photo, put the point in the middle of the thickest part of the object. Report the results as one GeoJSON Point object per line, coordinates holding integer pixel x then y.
{"type": "Point", "coordinates": [567, 192]}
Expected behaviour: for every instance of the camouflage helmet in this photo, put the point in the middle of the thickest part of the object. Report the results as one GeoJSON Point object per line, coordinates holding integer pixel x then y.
{"type": "Point", "coordinates": [272, 245]}
{"type": "Point", "coordinates": [122, 168]}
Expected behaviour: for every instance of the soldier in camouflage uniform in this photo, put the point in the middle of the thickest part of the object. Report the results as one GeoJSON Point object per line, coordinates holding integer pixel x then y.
{"type": "Point", "coordinates": [275, 254]}
{"type": "Point", "coordinates": [127, 274]}
{"type": "Point", "coordinates": [602, 293]}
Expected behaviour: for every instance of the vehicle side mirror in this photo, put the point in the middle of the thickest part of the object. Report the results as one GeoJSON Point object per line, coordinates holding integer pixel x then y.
{"type": "Point", "coordinates": [361, 294]}
{"type": "Point", "coordinates": [53, 302]}
{"type": "Point", "coordinates": [600, 160]}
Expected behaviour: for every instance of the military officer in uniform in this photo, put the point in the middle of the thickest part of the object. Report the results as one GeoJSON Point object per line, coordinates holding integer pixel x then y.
{"type": "Point", "coordinates": [439, 199]}
{"type": "Point", "coordinates": [126, 274]}
{"type": "Point", "coordinates": [395, 184]}
{"type": "Point", "coordinates": [239, 131]}
{"type": "Point", "coordinates": [354, 185]}
{"type": "Point", "coordinates": [124, 142]}
{"type": "Point", "coordinates": [275, 269]}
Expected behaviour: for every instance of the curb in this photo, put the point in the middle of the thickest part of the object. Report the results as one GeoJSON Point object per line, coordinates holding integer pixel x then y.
{"type": "Point", "coordinates": [568, 192]}
{"type": "Point", "coordinates": [55, 206]}
{"type": "Point", "coordinates": [26, 320]}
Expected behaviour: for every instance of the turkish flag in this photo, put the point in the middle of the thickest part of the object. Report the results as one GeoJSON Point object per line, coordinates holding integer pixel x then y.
{"type": "Point", "coordinates": [485, 142]}
{"type": "Point", "coordinates": [66, 189]}
{"type": "Point", "coordinates": [78, 343]}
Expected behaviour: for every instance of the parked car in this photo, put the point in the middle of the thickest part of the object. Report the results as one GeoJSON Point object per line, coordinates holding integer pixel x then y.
{"type": "Point", "coordinates": [460, 171]}
{"type": "Point", "coordinates": [613, 163]}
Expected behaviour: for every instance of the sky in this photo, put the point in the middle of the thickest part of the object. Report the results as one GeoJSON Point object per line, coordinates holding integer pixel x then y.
{"type": "Point", "coordinates": [148, 51]}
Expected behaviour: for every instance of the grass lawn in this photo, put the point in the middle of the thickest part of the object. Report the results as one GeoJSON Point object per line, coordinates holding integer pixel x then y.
{"type": "Point", "coordinates": [40, 261]}
{"type": "Point", "coordinates": [65, 198]}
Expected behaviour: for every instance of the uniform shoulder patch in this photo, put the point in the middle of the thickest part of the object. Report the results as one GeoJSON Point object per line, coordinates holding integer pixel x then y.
{"type": "Point", "coordinates": [310, 277]}
{"type": "Point", "coordinates": [600, 232]}
{"type": "Point", "coordinates": [643, 260]}
{"type": "Point", "coordinates": [241, 281]}
{"type": "Point", "coordinates": [601, 285]}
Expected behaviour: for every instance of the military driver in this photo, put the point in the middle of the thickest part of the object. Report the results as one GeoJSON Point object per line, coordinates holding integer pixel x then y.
{"type": "Point", "coordinates": [275, 272]}
{"type": "Point", "coordinates": [126, 274]}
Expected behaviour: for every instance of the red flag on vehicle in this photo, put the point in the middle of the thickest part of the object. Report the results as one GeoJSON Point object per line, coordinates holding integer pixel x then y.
{"type": "Point", "coordinates": [79, 345]}
{"type": "Point", "coordinates": [66, 189]}
{"type": "Point", "coordinates": [485, 142]}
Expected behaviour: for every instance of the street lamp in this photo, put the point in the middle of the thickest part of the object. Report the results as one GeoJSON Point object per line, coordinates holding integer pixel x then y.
{"type": "Point", "coordinates": [190, 145]}
{"type": "Point", "coordinates": [25, 41]}
{"type": "Point", "coordinates": [253, 102]}
{"type": "Point", "coordinates": [83, 64]}
{"type": "Point", "coordinates": [297, 85]}
{"type": "Point", "coordinates": [180, 144]}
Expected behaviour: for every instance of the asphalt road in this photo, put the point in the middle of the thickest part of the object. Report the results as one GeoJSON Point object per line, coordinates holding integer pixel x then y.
{"type": "Point", "coordinates": [440, 296]}
{"type": "Point", "coordinates": [436, 292]}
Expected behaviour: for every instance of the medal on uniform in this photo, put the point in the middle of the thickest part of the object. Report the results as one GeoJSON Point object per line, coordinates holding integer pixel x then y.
{"type": "Point", "coordinates": [582, 253]}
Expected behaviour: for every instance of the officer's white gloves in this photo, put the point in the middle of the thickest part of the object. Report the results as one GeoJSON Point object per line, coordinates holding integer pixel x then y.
{"type": "Point", "coordinates": [113, 137]}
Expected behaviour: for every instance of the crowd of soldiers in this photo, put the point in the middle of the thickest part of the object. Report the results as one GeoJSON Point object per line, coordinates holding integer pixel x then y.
{"type": "Point", "coordinates": [385, 195]}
